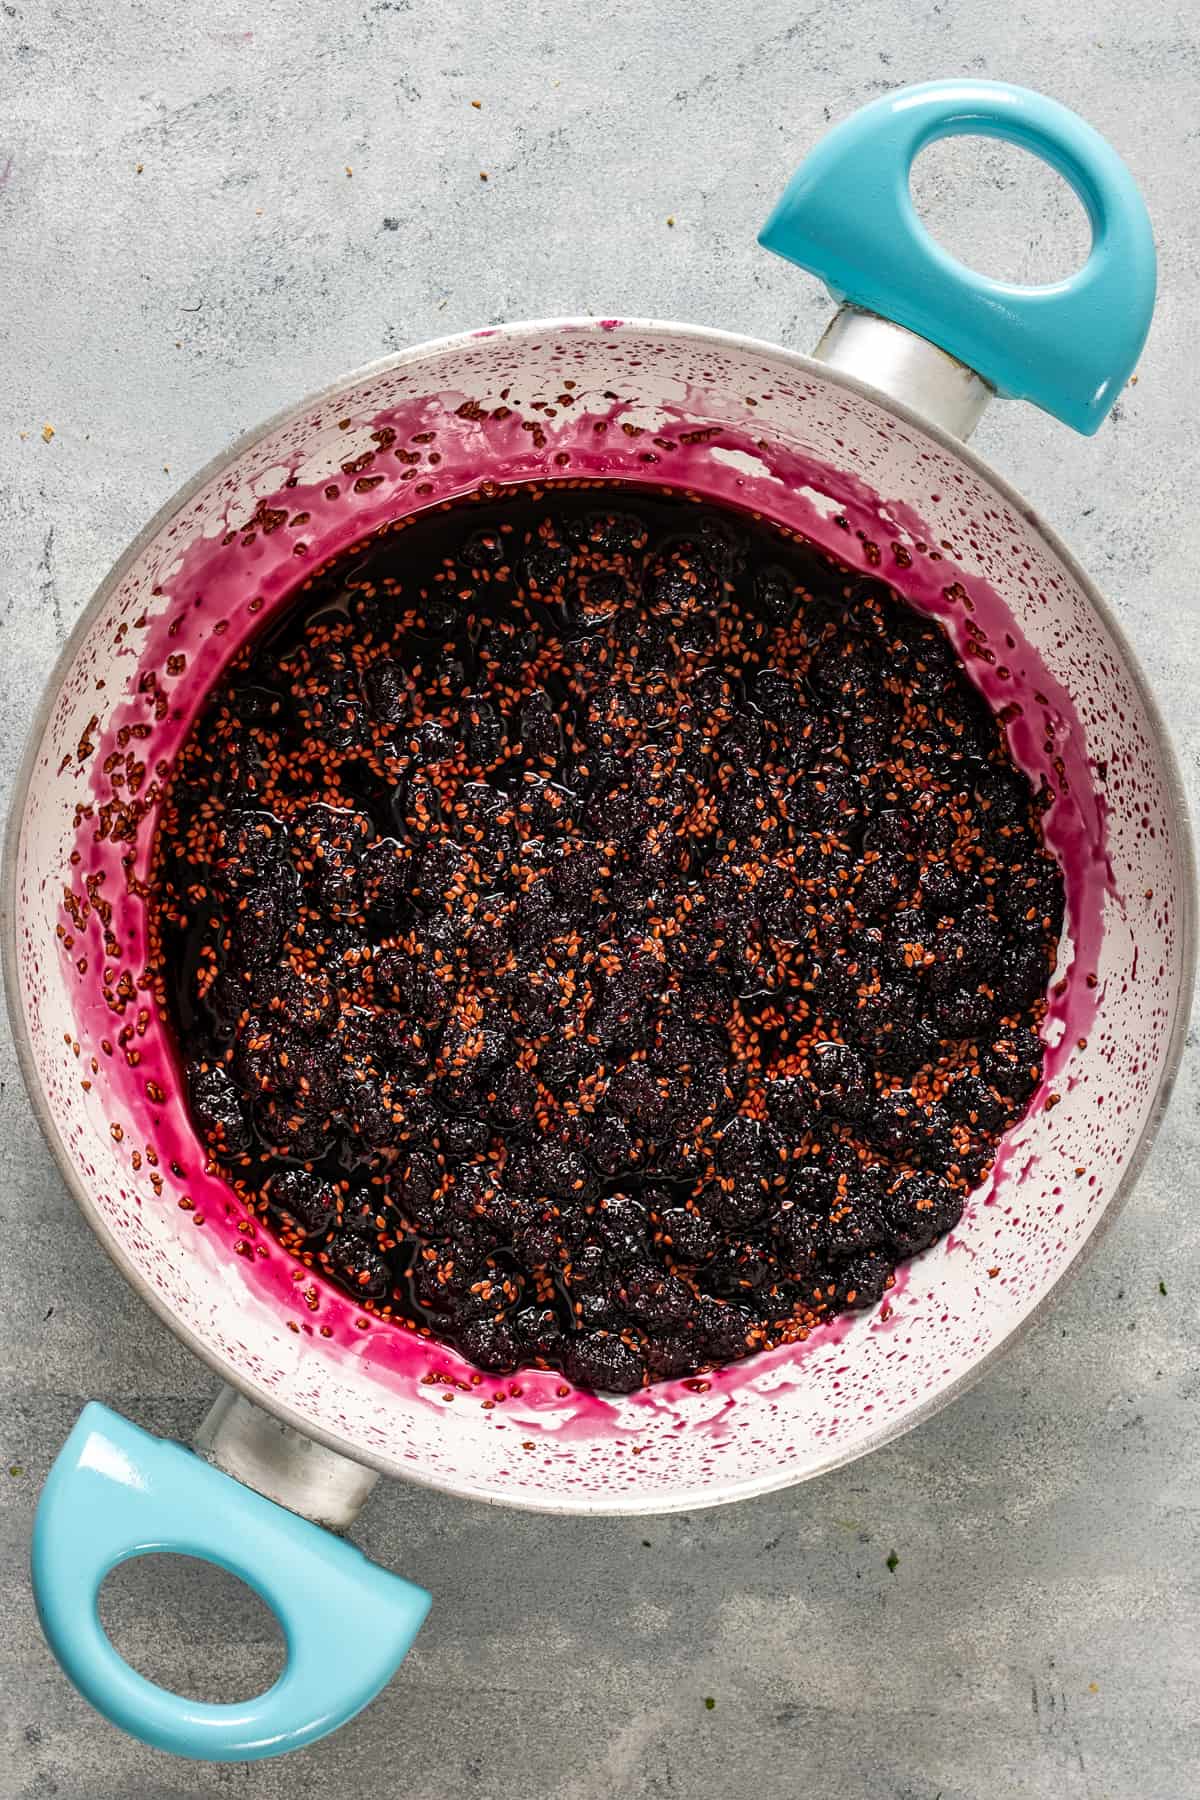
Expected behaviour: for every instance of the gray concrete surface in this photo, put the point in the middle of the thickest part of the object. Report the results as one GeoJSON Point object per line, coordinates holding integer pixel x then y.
{"type": "Point", "coordinates": [183, 247]}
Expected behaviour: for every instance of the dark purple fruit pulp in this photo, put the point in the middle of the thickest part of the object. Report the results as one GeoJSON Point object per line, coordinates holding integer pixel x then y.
{"type": "Point", "coordinates": [602, 931]}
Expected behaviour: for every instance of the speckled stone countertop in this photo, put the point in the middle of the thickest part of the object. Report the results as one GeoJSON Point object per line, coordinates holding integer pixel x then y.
{"type": "Point", "coordinates": [207, 212]}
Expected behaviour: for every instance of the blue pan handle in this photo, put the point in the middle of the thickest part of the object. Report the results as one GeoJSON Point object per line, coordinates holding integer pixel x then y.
{"type": "Point", "coordinates": [847, 216]}
{"type": "Point", "coordinates": [115, 1492]}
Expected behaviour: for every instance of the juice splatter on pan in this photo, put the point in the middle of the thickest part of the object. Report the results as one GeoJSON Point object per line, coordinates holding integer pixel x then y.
{"type": "Point", "coordinates": [602, 931]}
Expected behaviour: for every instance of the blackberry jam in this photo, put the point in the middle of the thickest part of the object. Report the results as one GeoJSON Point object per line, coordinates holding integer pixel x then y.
{"type": "Point", "coordinates": [602, 932]}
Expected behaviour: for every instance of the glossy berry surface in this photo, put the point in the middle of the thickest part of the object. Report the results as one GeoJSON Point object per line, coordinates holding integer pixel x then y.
{"type": "Point", "coordinates": [602, 932]}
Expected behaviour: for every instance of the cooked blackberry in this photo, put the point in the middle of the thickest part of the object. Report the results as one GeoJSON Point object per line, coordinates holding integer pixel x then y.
{"type": "Point", "coordinates": [724, 1328]}
{"type": "Point", "coordinates": [537, 1329]}
{"type": "Point", "coordinates": [856, 1223]}
{"type": "Point", "coordinates": [1026, 973]}
{"type": "Point", "coordinates": [654, 1299]}
{"type": "Point", "coordinates": [687, 1235]}
{"type": "Point", "coordinates": [256, 929]}
{"type": "Point", "coordinates": [307, 1004]}
{"type": "Point", "coordinates": [745, 1147]}
{"type": "Point", "coordinates": [601, 1359]}
{"type": "Point", "coordinates": [300, 1203]}
{"type": "Point", "coordinates": [1004, 797]}
{"type": "Point", "coordinates": [622, 1223]}
{"type": "Point", "coordinates": [512, 1103]}
{"type": "Point", "coordinates": [974, 1103]}
{"type": "Point", "coordinates": [603, 937]}
{"type": "Point", "coordinates": [358, 1265]}
{"type": "Point", "coordinates": [863, 1280]}
{"type": "Point", "coordinates": [739, 1199]}
{"type": "Point", "coordinates": [217, 1109]}
{"type": "Point", "coordinates": [639, 1097]}
{"type": "Point", "coordinates": [386, 689]}
{"type": "Point", "coordinates": [840, 1079]}
{"type": "Point", "coordinates": [941, 889]}
{"type": "Point", "coordinates": [812, 1184]}
{"type": "Point", "coordinates": [249, 850]}
{"type": "Point", "coordinates": [964, 1011]}
{"type": "Point", "coordinates": [741, 1267]}
{"type": "Point", "coordinates": [919, 1209]}
{"type": "Point", "coordinates": [796, 1231]}
{"type": "Point", "coordinates": [491, 1343]}
{"type": "Point", "coordinates": [670, 1354]}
